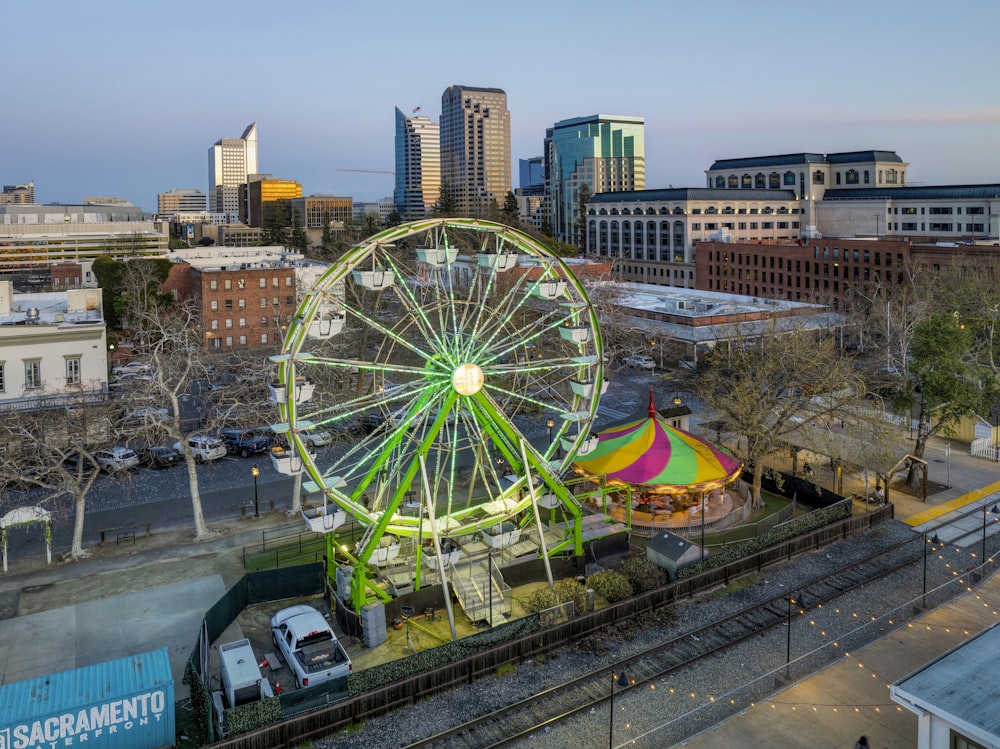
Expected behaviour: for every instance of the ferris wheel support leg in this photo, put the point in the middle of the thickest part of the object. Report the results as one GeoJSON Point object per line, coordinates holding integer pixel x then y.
{"type": "Point", "coordinates": [538, 521]}
{"type": "Point", "coordinates": [437, 545]}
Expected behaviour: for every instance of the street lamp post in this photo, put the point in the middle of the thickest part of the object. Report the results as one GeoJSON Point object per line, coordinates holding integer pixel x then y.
{"type": "Point", "coordinates": [255, 472]}
{"type": "Point", "coordinates": [702, 526]}
{"type": "Point", "coordinates": [788, 636]}
{"type": "Point", "coordinates": [611, 718]}
{"type": "Point", "coordinates": [489, 579]}
{"type": "Point", "coordinates": [551, 425]}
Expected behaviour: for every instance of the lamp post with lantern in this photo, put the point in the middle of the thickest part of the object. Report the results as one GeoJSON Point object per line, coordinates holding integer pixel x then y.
{"type": "Point", "coordinates": [255, 472]}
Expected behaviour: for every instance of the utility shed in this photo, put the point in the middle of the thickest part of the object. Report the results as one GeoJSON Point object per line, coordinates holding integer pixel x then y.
{"type": "Point", "coordinates": [956, 695]}
{"type": "Point", "coordinates": [126, 703]}
{"type": "Point", "coordinates": [670, 552]}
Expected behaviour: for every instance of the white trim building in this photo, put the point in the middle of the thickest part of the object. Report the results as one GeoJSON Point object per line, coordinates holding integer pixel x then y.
{"type": "Point", "coordinates": [53, 348]}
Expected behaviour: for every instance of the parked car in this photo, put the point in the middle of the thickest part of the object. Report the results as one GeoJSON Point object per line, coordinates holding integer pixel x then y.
{"type": "Point", "coordinates": [203, 448]}
{"type": "Point", "coordinates": [309, 646]}
{"type": "Point", "coordinates": [116, 459]}
{"type": "Point", "coordinates": [317, 437]}
{"type": "Point", "coordinates": [245, 442]}
{"type": "Point", "coordinates": [81, 468]}
{"type": "Point", "coordinates": [159, 456]}
{"type": "Point", "coordinates": [639, 360]}
{"type": "Point", "coordinates": [370, 424]}
{"type": "Point", "coordinates": [132, 368]}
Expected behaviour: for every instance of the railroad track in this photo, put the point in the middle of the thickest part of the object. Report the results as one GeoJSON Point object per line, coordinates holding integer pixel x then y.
{"type": "Point", "coordinates": [519, 720]}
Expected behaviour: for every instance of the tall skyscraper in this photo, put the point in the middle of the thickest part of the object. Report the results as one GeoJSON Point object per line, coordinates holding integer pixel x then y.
{"type": "Point", "coordinates": [230, 161]}
{"type": "Point", "coordinates": [475, 147]}
{"type": "Point", "coordinates": [418, 165]}
{"type": "Point", "coordinates": [605, 152]}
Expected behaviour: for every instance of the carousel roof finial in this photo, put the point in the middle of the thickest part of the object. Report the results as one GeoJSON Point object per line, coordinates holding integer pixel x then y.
{"type": "Point", "coordinates": [652, 408]}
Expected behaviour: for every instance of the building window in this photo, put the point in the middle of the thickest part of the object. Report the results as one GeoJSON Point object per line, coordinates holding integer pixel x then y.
{"type": "Point", "coordinates": [733, 181]}
{"type": "Point", "coordinates": [789, 179]}
{"type": "Point", "coordinates": [213, 284]}
{"type": "Point", "coordinates": [242, 304]}
{"type": "Point", "coordinates": [241, 283]}
{"type": "Point", "coordinates": [243, 322]}
{"type": "Point", "coordinates": [868, 178]}
{"type": "Point", "coordinates": [73, 370]}
{"type": "Point", "coordinates": [289, 301]}
{"type": "Point", "coordinates": [243, 340]}
{"type": "Point", "coordinates": [229, 323]}
{"type": "Point", "coordinates": [891, 177]}
{"type": "Point", "coordinates": [818, 177]}
{"type": "Point", "coordinates": [213, 305]}
{"type": "Point", "coordinates": [288, 281]}
{"type": "Point", "coordinates": [263, 339]}
{"type": "Point", "coordinates": [936, 210]}
{"type": "Point", "coordinates": [32, 374]}
{"type": "Point", "coordinates": [3, 378]}
{"type": "Point", "coordinates": [958, 741]}
{"type": "Point", "coordinates": [263, 282]}
{"type": "Point", "coordinates": [940, 227]}
{"type": "Point", "coordinates": [274, 282]}
{"type": "Point", "coordinates": [851, 177]}
{"type": "Point", "coordinates": [228, 284]}
{"type": "Point", "coordinates": [215, 324]}
{"type": "Point", "coordinates": [229, 341]}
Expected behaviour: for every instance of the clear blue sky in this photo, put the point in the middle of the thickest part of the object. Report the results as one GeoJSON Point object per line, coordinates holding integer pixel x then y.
{"type": "Point", "coordinates": [125, 98]}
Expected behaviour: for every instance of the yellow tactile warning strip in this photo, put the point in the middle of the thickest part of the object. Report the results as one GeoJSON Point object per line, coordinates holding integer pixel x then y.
{"type": "Point", "coordinates": [952, 504]}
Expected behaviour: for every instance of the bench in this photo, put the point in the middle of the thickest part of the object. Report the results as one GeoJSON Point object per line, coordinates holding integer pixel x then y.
{"type": "Point", "coordinates": [123, 532]}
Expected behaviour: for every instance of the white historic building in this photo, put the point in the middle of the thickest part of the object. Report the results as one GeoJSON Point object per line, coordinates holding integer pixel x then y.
{"type": "Point", "coordinates": [53, 348]}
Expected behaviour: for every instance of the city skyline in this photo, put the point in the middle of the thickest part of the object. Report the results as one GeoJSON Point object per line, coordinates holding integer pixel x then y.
{"type": "Point", "coordinates": [115, 103]}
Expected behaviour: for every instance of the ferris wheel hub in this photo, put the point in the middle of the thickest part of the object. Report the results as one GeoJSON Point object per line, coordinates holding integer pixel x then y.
{"type": "Point", "coordinates": [467, 379]}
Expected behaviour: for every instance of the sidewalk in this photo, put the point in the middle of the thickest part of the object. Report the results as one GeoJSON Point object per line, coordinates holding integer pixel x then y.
{"type": "Point", "coordinates": [849, 699]}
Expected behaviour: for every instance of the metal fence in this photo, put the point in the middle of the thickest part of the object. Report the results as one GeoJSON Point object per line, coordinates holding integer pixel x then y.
{"type": "Point", "coordinates": [411, 690]}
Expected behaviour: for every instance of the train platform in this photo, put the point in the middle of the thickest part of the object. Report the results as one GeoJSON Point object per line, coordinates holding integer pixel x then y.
{"type": "Point", "coordinates": [849, 699]}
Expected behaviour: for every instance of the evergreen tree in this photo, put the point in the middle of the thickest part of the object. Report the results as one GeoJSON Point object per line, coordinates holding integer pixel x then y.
{"type": "Point", "coordinates": [511, 214]}
{"type": "Point", "coordinates": [394, 219]}
{"type": "Point", "coordinates": [276, 223]}
{"type": "Point", "coordinates": [447, 205]}
{"type": "Point", "coordinates": [583, 196]}
{"type": "Point", "coordinates": [327, 240]}
{"type": "Point", "coordinates": [297, 236]}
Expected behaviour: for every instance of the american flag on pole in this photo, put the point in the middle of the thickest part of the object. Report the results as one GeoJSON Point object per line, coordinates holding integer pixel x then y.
{"type": "Point", "coordinates": [415, 110]}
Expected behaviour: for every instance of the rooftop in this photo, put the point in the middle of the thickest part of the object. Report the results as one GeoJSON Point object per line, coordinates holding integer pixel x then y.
{"type": "Point", "coordinates": [959, 686]}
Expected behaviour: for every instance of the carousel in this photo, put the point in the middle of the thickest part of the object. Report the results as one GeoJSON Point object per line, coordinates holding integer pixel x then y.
{"type": "Point", "coordinates": [655, 476]}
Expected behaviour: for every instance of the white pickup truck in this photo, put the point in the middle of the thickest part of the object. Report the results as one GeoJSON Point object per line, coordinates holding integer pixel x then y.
{"type": "Point", "coordinates": [309, 646]}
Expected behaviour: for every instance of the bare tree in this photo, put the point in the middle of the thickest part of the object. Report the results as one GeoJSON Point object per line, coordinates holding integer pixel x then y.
{"type": "Point", "coordinates": [765, 387]}
{"type": "Point", "coordinates": [53, 450]}
{"type": "Point", "coordinates": [171, 341]}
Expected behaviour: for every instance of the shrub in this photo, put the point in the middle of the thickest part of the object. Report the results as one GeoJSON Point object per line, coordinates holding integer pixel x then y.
{"type": "Point", "coordinates": [611, 586]}
{"type": "Point", "coordinates": [571, 590]}
{"type": "Point", "coordinates": [643, 574]}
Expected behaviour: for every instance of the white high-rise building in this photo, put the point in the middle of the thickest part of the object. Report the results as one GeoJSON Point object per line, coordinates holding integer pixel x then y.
{"type": "Point", "coordinates": [230, 161]}
{"type": "Point", "coordinates": [418, 165]}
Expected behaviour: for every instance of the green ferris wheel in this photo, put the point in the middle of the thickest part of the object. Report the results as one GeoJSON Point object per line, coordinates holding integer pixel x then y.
{"type": "Point", "coordinates": [440, 346]}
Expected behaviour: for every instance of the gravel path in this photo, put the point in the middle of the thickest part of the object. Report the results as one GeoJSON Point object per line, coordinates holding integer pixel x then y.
{"type": "Point", "coordinates": [741, 674]}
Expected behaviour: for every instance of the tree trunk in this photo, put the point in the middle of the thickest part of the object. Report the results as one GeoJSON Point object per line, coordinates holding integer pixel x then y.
{"type": "Point", "coordinates": [200, 529]}
{"type": "Point", "coordinates": [80, 505]}
{"type": "Point", "coordinates": [757, 503]}
{"type": "Point", "coordinates": [297, 495]}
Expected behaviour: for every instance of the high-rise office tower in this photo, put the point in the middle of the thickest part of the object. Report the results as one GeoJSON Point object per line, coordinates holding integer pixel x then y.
{"type": "Point", "coordinates": [605, 152]}
{"type": "Point", "coordinates": [532, 173]}
{"type": "Point", "coordinates": [230, 161]}
{"type": "Point", "coordinates": [475, 147]}
{"type": "Point", "coordinates": [418, 165]}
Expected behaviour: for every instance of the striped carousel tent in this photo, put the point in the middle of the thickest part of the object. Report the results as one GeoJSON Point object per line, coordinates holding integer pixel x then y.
{"type": "Point", "coordinates": [657, 458]}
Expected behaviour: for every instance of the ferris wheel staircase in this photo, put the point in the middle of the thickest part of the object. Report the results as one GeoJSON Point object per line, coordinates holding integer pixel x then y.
{"type": "Point", "coordinates": [481, 591]}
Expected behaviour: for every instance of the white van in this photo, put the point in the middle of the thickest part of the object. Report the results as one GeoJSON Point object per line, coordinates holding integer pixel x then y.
{"type": "Point", "coordinates": [203, 448]}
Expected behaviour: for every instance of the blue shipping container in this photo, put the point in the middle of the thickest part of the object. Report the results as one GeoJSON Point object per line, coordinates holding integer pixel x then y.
{"type": "Point", "coordinates": [128, 702]}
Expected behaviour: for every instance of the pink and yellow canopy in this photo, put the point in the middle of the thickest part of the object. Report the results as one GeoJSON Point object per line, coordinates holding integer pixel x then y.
{"type": "Point", "coordinates": [652, 455]}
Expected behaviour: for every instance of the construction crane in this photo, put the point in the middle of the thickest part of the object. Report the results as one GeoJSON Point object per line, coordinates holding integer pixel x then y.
{"type": "Point", "coordinates": [366, 171]}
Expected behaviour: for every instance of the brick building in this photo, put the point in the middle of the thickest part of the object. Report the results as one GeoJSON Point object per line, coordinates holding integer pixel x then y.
{"type": "Point", "coordinates": [821, 270]}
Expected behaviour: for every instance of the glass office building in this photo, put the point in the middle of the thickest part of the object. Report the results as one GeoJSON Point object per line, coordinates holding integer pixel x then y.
{"type": "Point", "coordinates": [605, 152]}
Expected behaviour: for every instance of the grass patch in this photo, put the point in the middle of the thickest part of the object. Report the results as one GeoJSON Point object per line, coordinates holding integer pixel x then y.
{"type": "Point", "coordinates": [735, 586]}
{"type": "Point", "coordinates": [507, 669]}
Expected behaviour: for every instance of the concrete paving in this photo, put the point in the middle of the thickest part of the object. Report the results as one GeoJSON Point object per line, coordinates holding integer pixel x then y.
{"type": "Point", "coordinates": [850, 699]}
